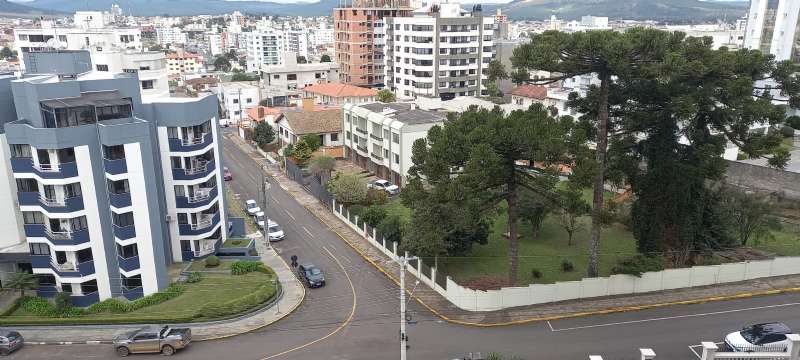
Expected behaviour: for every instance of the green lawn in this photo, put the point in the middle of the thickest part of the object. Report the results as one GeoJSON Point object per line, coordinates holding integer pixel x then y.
{"type": "Point", "coordinates": [200, 265]}
{"type": "Point", "coordinates": [212, 289]}
{"type": "Point", "coordinates": [237, 210]}
{"type": "Point", "coordinates": [236, 243]}
{"type": "Point", "coordinates": [784, 242]}
{"type": "Point", "coordinates": [395, 207]}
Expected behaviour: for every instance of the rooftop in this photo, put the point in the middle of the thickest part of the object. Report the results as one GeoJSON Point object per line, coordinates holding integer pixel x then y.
{"type": "Point", "coordinates": [406, 113]}
{"type": "Point", "coordinates": [340, 90]}
{"type": "Point", "coordinates": [530, 91]}
{"type": "Point", "coordinates": [239, 85]}
{"type": "Point", "coordinates": [300, 67]}
{"type": "Point", "coordinates": [314, 122]}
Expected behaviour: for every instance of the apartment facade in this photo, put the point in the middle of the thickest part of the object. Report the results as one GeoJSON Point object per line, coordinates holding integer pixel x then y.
{"type": "Point", "coordinates": [48, 36]}
{"type": "Point", "coordinates": [773, 26]}
{"type": "Point", "coordinates": [168, 35]}
{"type": "Point", "coordinates": [150, 65]}
{"type": "Point", "coordinates": [379, 137]}
{"type": "Point", "coordinates": [293, 76]}
{"type": "Point", "coordinates": [264, 47]}
{"type": "Point", "coordinates": [111, 188]}
{"type": "Point", "coordinates": [237, 97]}
{"type": "Point", "coordinates": [440, 51]}
{"type": "Point", "coordinates": [183, 62]}
{"type": "Point", "coordinates": [359, 39]}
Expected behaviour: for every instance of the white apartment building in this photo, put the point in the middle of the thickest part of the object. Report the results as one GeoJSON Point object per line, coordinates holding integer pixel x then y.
{"type": "Point", "coordinates": [297, 41]}
{"type": "Point", "coordinates": [167, 35]}
{"type": "Point", "coordinates": [379, 137]}
{"type": "Point", "coordinates": [150, 65]}
{"type": "Point", "coordinates": [322, 35]}
{"type": "Point", "coordinates": [440, 51]}
{"type": "Point", "coordinates": [293, 76]}
{"type": "Point", "coordinates": [264, 47]}
{"type": "Point", "coordinates": [237, 97]}
{"type": "Point", "coordinates": [773, 26]}
{"type": "Point", "coordinates": [216, 43]}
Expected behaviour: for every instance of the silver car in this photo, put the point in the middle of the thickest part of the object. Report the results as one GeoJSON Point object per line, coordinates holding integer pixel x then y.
{"type": "Point", "coordinates": [10, 341]}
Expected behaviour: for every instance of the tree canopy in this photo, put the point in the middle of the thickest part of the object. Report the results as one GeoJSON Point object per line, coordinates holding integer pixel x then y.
{"type": "Point", "coordinates": [325, 58]}
{"type": "Point", "coordinates": [263, 133]}
{"type": "Point", "coordinates": [385, 96]}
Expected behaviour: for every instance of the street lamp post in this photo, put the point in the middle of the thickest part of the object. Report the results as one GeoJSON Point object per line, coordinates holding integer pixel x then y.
{"type": "Point", "coordinates": [265, 187]}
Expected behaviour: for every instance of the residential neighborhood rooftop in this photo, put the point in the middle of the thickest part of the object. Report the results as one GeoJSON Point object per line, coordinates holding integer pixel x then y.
{"type": "Point", "coordinates": [407, 113]}
{"type": "Point", "coordinates": [530, 91]}
{"type": "Point", "coordinates": [340, 90]}
{"type": "Point", "coordinates": [314, 122]}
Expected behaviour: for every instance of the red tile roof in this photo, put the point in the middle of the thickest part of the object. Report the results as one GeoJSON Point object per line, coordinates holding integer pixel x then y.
{"type": "Point", "coordinates": [340, 90]}
{"type": "Point", "coordinates": [530, 91]}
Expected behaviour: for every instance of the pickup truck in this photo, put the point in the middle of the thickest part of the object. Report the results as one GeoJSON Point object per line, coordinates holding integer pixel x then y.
{"type": "Point", "coordinates": [165, 340]}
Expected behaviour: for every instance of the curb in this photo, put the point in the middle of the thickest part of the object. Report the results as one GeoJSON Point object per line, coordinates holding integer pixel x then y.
{"type": "Point", "coordinates": [89, 342]}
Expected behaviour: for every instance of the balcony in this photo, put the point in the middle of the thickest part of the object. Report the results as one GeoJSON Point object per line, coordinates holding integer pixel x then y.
{"type": "Point", "coordinates": [362, 148]}
{"type": "Point", "coordinates": [58, 238]}
{"type": "Point", "coordinates": [120, 200]}
{"type": "Point", "coordinates": [199, 171]}
{"type": "Point", "coordinates": [128, 264]}
{"type": "Point", "coordinates": [201, 198]}
{"type": "Point", "coordinates": [190, 144]}
{"type": "Point", "coordinates": [125, 232]}
{"type": "Point", "coordinates": [44, 171]}
{"type": "Point", "coordinates": [116, 166]}
{"type": "Point", "coordinates": [376, 156]}
{"type": "Point", "coordinates": [85, 299]}
{"type": "Point", "coordinates": [361, 130]}
{"type": "Point", "coordinates": [53, 206]}
{"type": "Point", "coordinates": [132, 293]}
{"type": "Point", "coordinates": [375, 137]}
{"type": "Point", "coordinates": [66, 269]}
{"type": "Point", "coordinates": [203, 225]}
{"type": "Point", "coordinates": [46, 291]}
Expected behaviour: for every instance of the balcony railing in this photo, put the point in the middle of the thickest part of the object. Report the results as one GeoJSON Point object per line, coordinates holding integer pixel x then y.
{"type": "Point", "coordinates": [58, 234]}
{"type": "Point", "coordinates": [361, 130]}
{"type": "Point", "coordinates": [66, 269]}
{"type": "Point", "coordinates": [71, 204]}
{"type": "Point", "coordinates": [376, 137]}
{"type": "Point", "coordinates": [57, 237]}
{"type": "Point", "coordinates": [116, 166]}
{"type": "Point", "coordinates": [125, 232]}
{"type": "Point", "coordinates": [132, 293]}
{"type": "Point", "coordinates": [128, 264]}
{"type": "Point", "coordinates": [192, 143]}
{"type": "Point", "coordinates": [198, 170]}
{"type": "Point", "coordinates": [361, 148]}
{"type": "Point", "coordinates": [200, 198]}
{"type": "Point", "coordinates": [204, 225]}
{"type": "Point", "coordinates": [120, 200]}
{"type": "Point", "coordinates": [45, 171]}
{"type": "Point", "coordinates": [376, 156]}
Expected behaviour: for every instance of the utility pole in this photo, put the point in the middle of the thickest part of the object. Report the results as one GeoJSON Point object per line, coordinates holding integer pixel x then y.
{"type": "Point", "coordinates": [264, 187]}
{"type": "Point", "coordinates": [403, 261]}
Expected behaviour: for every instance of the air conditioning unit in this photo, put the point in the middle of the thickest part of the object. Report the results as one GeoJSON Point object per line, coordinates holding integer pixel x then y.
{"type": "Point", "coordinates": [168, 218]}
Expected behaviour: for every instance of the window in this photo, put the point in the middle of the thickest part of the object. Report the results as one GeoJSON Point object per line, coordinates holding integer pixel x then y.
{"type": "Point", "coordinates": [347, 135]}
{"type": "Point", "coordinates": [72, 190]}
{"type": "Point", "coordinates": [113, 112]}
{"type": "Point", "coordinates": [39, 249]}
{"type": "Point", "coordinates": [23, 37]}
{"type": "Point", "coordinates": [115, 152]}
{"type": "Point", "coordinates": [276, 76]}
{"type": "Point", "coordinates": [183, 219]}
{"type": "Point", "coordinates": [396, 158]}
{"type": "Point", "coordinates": [249, 100]}
{"type": "Point", "coordinates": [32, 217]}
{"type": "Point", "coordinates": [27, 185]}
{"type": "Point", "coordinates": [396, 138]}
{"type": "Point", "coordinates": [78, 223]}
{"type": "Point", "coordinates": [335, 137]}
{"type": "Point", "coordinates": [235, 101]}
{"type": "Point", "coordinates": [172, 132]}
{"type": "Point", "coordinates": [84, 255]}
{"type": "Point", "coordinates": [123, 220]}
{"type": "Point", "coordinates": [385, 153]}
{"type": "Point", "coordinates": [291, 77]}
{"type": "Point", "coordinates": [180, 190]}
{"type": "Point", "coordinates": [127, 252]}
{"type": "Point", "coordinates": [20, 151]}
{"type": "Point", "coordinates": [101, 67]}
{"type": "Point", "coordinates": [147, 84]}
{"type": "Point", "coordinates": [118, 187]}
{"type": "Point", "coordinates": [132, 282]}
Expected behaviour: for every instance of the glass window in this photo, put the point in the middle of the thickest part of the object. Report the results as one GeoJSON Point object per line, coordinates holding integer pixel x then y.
{"type": "Point", "coordinates": [335, 137]}
{"type": "Point", "coordinates": [172, 132]}
{"type": "Point", "coordinates": [396, 158]}
{"type": "Point", "coordinates": [101, 67]}
{"type": "Point", "coordinates": [84, 255]}
{"type": "Point", "coordinates": [20, 151]}
{"type": "Point", "coordinates": [73, 190]}
{"type": "Point", "coordinates": [127, 252]}
{"type": "Point", "coordinates": [39, 249]}
{"type": "Point", "coordinates": [27, 185]}
{"type": "Point", "coordinates": [396, 138]}
{"type": "Point", "coordinates": [123, 220]}
{"type": "Point", "coordinates": [78, 223]}
{"type": "Point", "coordinates": [114, 152]}
{"type": "Point", "coordinates": [118, 187]}
{"type": "Point", "coordinates": [147, 84]}
{"type": "Point", "coordinates": [132, 283]}
{"type": "Point", "coordinates": [32, 217]}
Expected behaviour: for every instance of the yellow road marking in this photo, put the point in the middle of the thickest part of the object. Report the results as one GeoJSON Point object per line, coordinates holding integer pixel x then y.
{"type": "Point", "coordinates": [340, 327]}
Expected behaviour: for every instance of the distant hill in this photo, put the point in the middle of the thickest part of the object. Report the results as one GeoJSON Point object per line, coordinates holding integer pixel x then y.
{"type": "Point", "coordinates": [684, 11]}
{"type": "Point", "coordinates": [662, 10]}
{"type": "Point", "coordinates": [11, 9]}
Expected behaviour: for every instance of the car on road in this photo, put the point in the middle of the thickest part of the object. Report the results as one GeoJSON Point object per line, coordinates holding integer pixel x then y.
{"type": "Point", "coordinates": [384, 185]}
{"type": "Point", "coordinates": [259, 217]}
{"type": "Point", "coordinates": [765, 337]}
{"type": "Point", "coordinates": [165, 340]}
{"type": "Point", "coordinates": [252, 207]}
{"type": "Point", "coordinates": [10, 341]}
{"type": "Point", "coordinates": [274, 231]}
{"type": "Point", "coordinates": [226, 174]}
{"type": "Point", "coordinates": [311, 275]}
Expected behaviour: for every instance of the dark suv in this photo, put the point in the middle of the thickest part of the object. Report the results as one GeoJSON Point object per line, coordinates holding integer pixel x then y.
{"type": "Point", "coordinates": [312, 275]}
{"type": "Point", "coordinates": [10, 341]}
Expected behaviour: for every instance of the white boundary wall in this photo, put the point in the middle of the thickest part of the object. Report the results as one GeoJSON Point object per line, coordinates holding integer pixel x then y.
{"type": "Point", "coordinates": [477, 300]}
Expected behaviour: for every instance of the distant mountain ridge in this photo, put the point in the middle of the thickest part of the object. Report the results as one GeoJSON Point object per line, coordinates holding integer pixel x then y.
{"type": "Point", "coordinates": [8, 8]}
{"type": "Point", "coordinates": [686, 11]}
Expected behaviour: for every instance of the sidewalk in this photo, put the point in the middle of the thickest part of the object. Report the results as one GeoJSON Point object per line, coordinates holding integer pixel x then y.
{"type": "Point", "coordinates": [447, 311]}
{"type": "Point", "coordinates": [291, 297]}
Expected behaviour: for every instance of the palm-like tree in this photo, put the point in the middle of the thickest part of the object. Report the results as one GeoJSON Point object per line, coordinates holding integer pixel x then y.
{"type": "Point", "coordinates": [21, 281]}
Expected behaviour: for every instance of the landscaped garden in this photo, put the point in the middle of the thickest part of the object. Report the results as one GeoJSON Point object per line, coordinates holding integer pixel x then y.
{"type": "Point", "coordinates": [204, 296]}
{"type": "Point", "coordinates": [236, 210]}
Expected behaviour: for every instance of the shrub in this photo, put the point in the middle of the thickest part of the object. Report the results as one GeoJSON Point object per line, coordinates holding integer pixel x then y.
{"type": "Point", "coordinates": [536, 274]}
{"type": "Point", "coordinates": [242, 267]}
{"type": "Point", "coordinates": [356, 210]}
{"type": "Point", "coordinates": [567, 265]}
{"type": "Point", "coordinates": [793, 121]}
{"type": "Point", "coordinates": [257, 297]}
{"type": "Point", "coordinates": [376, 197]}
{"type": "Point", "coordinates": [194, 277]}
{"type": "Point", "coordinates": [38, 306]}
{"type": "Point", "coordinates": [638, 265]}
{"type": "Point", "coordinates": [212, 261]}
{"type": "Point", "coordinates": [373, 215]}
{"type": "Point", "coordinates": [347, 188]}
{"type": "Point", "coordinates": [63, 301]}
{"type": "Point", "coordinates": [787, 131]}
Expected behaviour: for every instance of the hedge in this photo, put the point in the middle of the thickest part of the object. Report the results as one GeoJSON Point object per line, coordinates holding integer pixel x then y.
{"type": "Point", "coordinates": [240, 305]}
{"type": "Point", "coordinates": [242, 267]}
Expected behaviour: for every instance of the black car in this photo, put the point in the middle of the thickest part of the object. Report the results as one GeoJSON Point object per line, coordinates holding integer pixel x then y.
{"type": "Point", "coordinates": [312, 275]}
{"type": "Point", "coordinates": [10, 341]}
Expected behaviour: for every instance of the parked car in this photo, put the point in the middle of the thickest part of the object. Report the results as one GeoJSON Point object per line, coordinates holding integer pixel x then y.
{"type": "Point", "coordinates": [226, 174]}
{"type": "Point", "coordinates": [260, 218]}
{"type": "Point", "coordinates": [165, 340]}
{"type": "Point", "coordinates": [384, 185]}
{"type": "Point", "coordinates": [311, 275]}
{"type": "Point", "coordinates": [274, 231]}
{"type": "Point", "coordinates": [759, 338]}
{"type": "Point", "coordinates": [10, 341]}
{"type": "Point", "coordinates": [252, 207]}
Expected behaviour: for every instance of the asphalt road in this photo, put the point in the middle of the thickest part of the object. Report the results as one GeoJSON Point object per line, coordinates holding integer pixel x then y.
{"type": "Point", "coordinates": [332, 323]}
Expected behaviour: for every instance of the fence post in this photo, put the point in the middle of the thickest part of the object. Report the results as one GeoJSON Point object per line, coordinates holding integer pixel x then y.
{"type": "Point", "coordinates": [375, 234]}
{"type": "Point", "coordinates": [709, 350]}
{"type": "Point", "coordinates": [647, 354]}
{"type": "Point", "coordinates": [394, 248]}
{"type": "Point", "coordinates": [433, 277]}
{"type": "Point", "coordinates": [794, 346]}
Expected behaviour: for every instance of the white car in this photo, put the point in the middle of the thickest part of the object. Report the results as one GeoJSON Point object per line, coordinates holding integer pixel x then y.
{"type": "Point", "coordinates": [384, 185]}
{"type": "Point", "coordinates": [768, 337]}
{"type": "Point", "coordinates": [260, 217]}
{"type": "Point", "coordinates": [252, 207]}
{"type": "Point", "coordinates": [274, 231]}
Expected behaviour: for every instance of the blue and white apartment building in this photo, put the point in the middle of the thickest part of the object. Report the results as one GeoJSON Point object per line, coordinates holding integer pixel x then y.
{"type": "Point", "coordinates": [110, 188]}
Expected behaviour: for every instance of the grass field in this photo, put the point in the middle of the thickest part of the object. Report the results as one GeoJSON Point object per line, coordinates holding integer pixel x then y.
{"type": "Point", "coordinates": [200, 265]}
{"type": "Point", "coordinates": [232, 243]}
{"type": "Point", "coordinates": [236, 210]}
{"type": "Point", "coordinates": [213, 288]}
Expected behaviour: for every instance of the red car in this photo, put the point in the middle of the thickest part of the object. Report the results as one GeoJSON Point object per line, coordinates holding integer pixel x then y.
{"type": "Point", "coordinates": [226, 174]}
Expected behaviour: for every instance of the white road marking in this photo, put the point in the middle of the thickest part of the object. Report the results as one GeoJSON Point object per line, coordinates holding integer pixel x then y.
{"type": "Point", "coordinates": [678, 317]}
{"type": "Point", "coordinates": [275, 201]}
{"type": "Point", "coordinates": [290, 214]}
{"type": "Point", "coordinates": [308, 232]}
{"type": "Point", "coordinates": [698, 353]}
{"type": "Point", "coordinates": [550, 325]}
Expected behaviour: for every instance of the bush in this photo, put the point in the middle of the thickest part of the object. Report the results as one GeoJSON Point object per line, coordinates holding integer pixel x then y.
{"type": "Point", "coordinates": [356, 210]}
{"type": "Point", "coordinates": [347, 188]}
{"type": "Point", "coordinates": [373, 215]}
{"type": "Point", "coordinates": [536, 274]}
{"type": "Point", "coordinates": [376, 197]}
{"type": "Point", "coordinates": [242, 267]}
{"type": "Point", "coordinates": [240, 305]}
{"type": "Point", "coordinates": [63, 301]}
{"type": "Point", "coordinates": [567, 265]}
{"type": "Point", "coordinates": [638, 265]}
{"type": "Point", "coordinates": [193, 277]}
{"type": "Point", "coordinates": [793, 121]}
{"type": "Point", "coordinates": [787, 131]}
{"type": "Point", "coordinates": [212, 261]}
